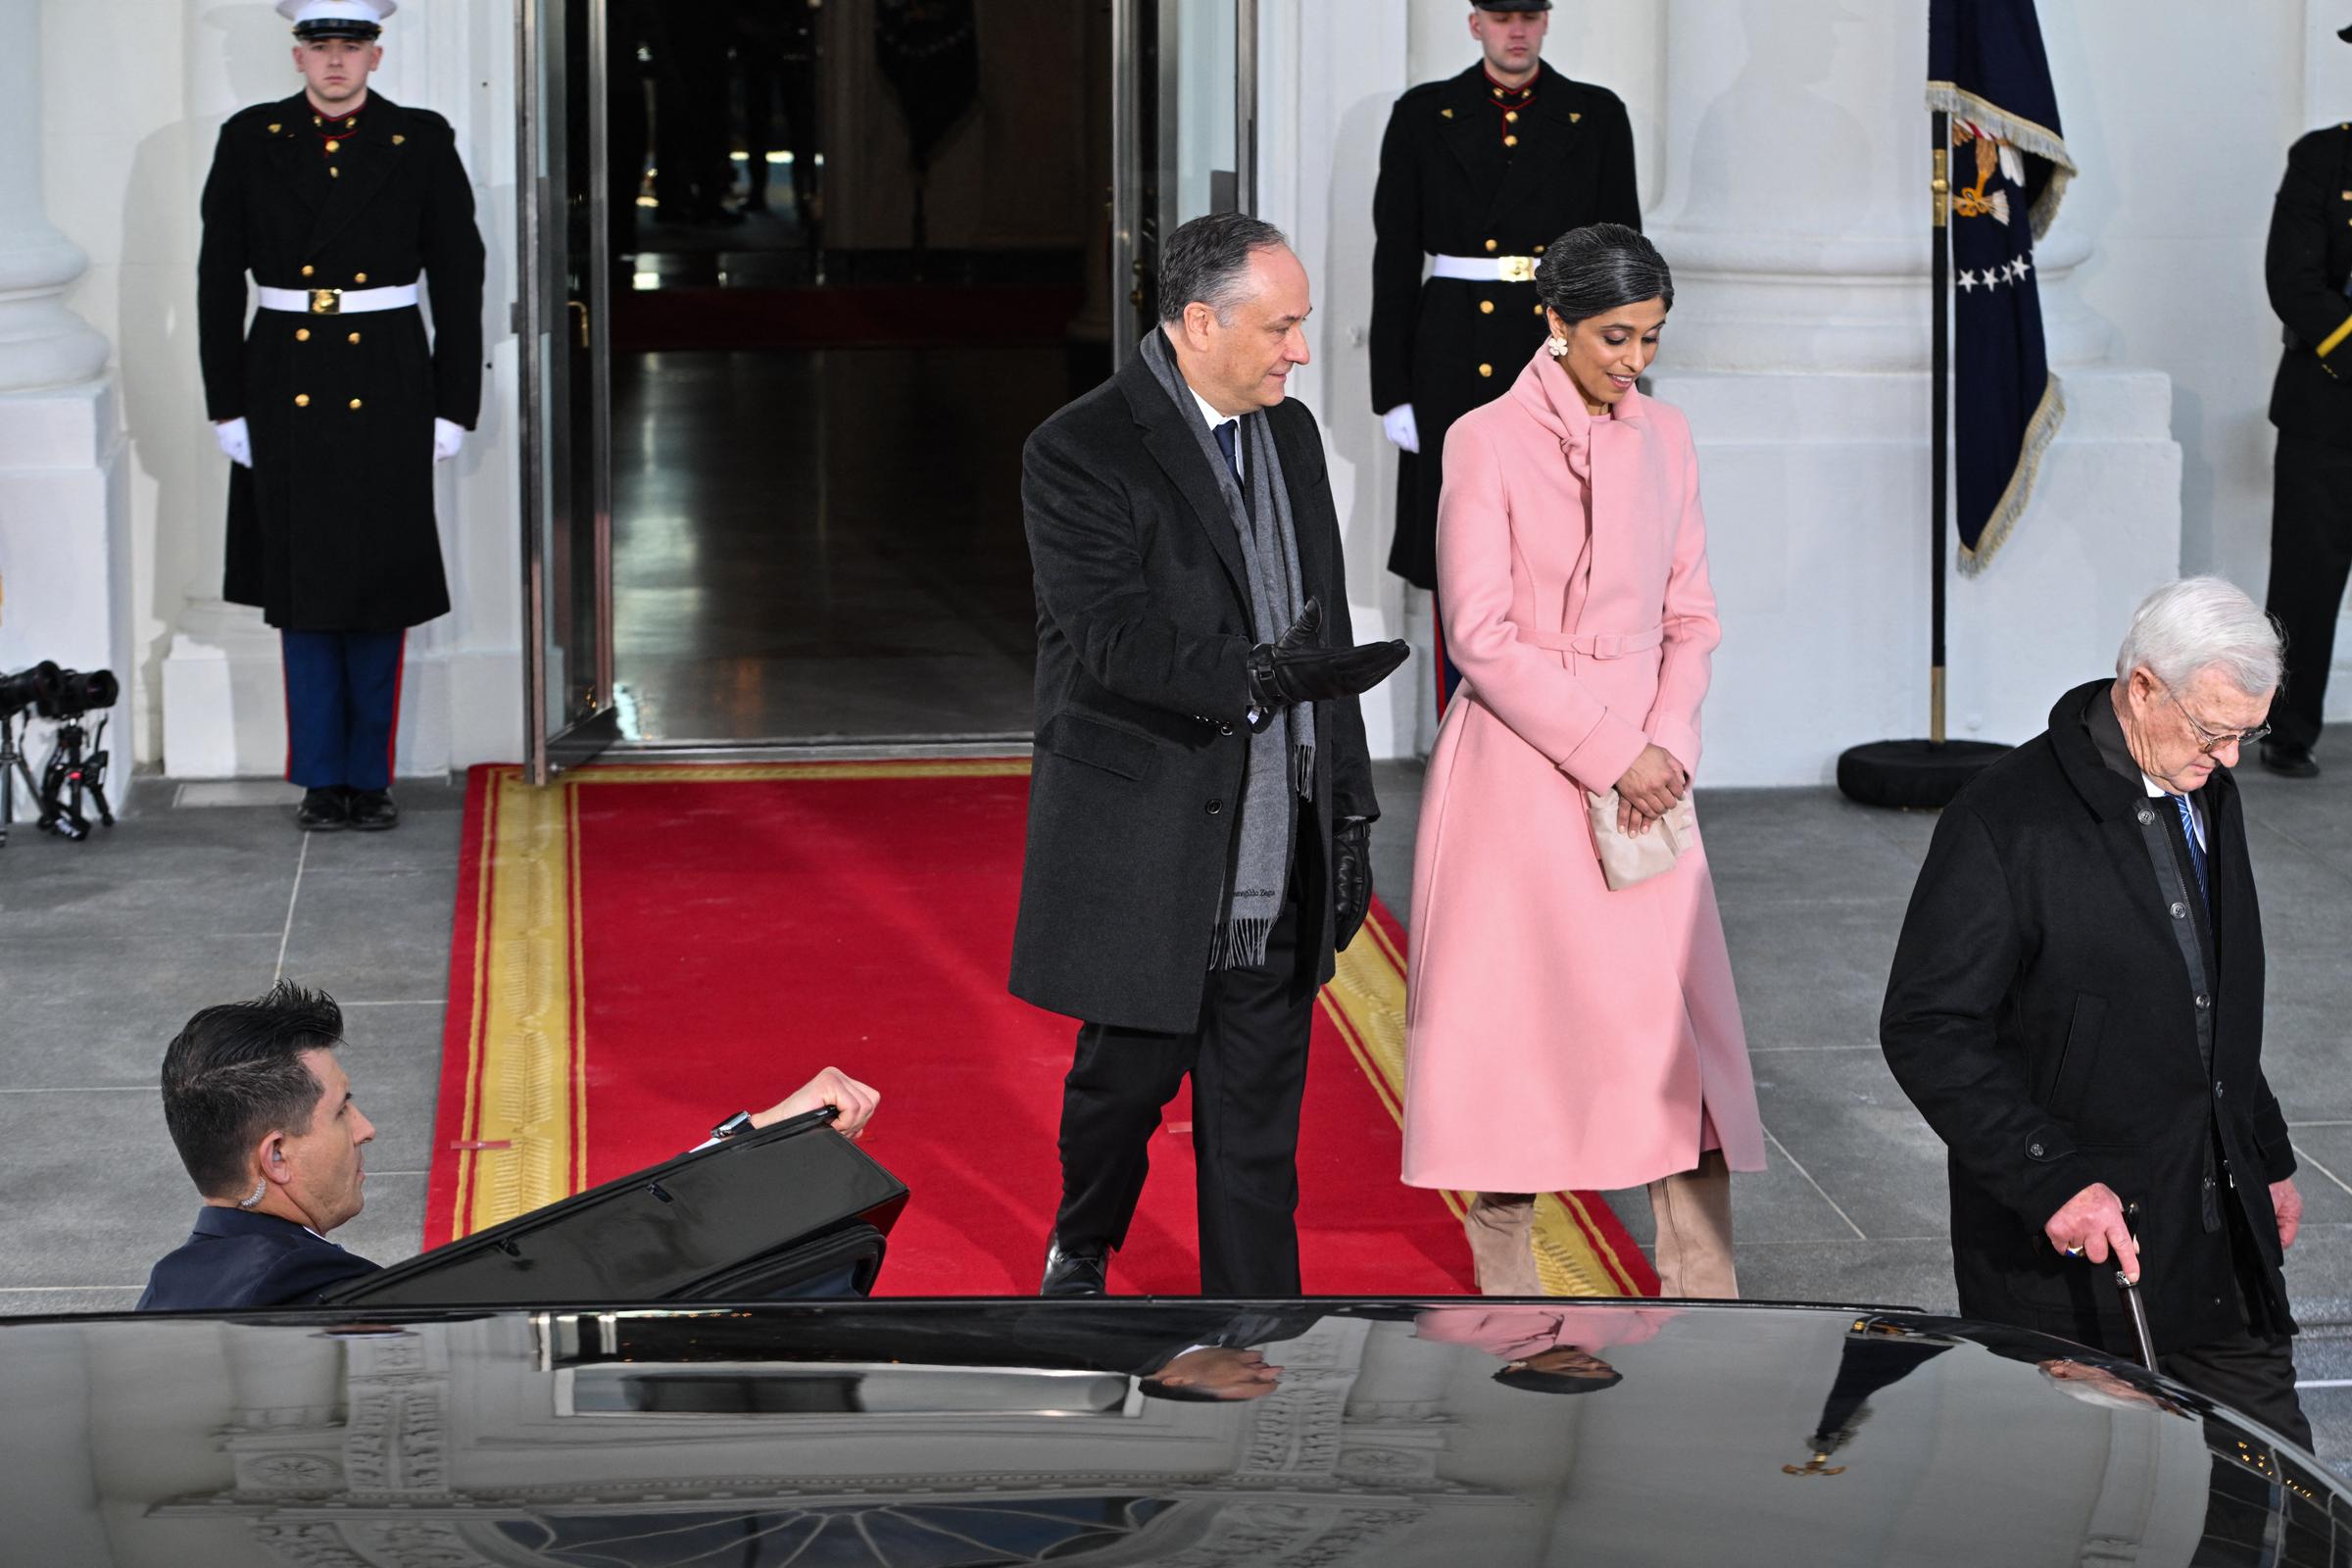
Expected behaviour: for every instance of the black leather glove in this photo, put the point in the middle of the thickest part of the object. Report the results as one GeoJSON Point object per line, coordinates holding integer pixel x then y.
{"type": "Point", "coordinates": [1300, 669]}
{"type": "Point", "coordinates": [1352, 878]}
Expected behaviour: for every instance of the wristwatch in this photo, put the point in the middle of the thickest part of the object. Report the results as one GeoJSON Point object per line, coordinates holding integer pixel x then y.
{"type": "Point", "coordinates": [734, 1126]}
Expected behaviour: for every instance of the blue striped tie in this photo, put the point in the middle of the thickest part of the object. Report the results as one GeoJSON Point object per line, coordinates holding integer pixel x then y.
{"type": "Point", "coordinates": [2196, 846]}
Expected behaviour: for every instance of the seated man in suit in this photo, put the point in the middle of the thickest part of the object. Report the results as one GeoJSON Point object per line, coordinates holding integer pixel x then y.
{"type": "Point", "coordinates": [264, 1120]}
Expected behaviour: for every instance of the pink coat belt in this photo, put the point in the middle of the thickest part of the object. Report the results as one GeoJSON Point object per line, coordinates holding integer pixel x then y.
{"type": "Point", "coordinates": [1596, 645]}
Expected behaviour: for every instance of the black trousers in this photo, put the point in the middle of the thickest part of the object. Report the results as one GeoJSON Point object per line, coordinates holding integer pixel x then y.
{"type": "Point", "coordinates": [2311, 555]}
{"type": "Point", "coordinates": [2252, 1373]}
{"type": "Point", "coordinates": [1247, 1061]}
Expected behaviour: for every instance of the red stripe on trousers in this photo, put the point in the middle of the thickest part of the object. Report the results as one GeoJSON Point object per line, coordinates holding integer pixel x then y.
{"type": "Point", "coordinates": [400, 669]}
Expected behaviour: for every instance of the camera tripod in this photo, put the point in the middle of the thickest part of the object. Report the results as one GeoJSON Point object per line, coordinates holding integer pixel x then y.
{"type": "Point", "coordinates": [76, 768]}
{"type": "Point", "coordinates": [12, 766]}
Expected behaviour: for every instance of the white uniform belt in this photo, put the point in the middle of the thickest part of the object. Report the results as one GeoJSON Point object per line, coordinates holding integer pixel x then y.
{"type": "Point", "coordinates": [338, 300]}
{"type": "Point", "coordinates": [1484, 268]}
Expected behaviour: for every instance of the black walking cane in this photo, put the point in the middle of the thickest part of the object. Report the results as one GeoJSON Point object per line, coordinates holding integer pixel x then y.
{"type": "Point", "coordinates": [2132, 1303]}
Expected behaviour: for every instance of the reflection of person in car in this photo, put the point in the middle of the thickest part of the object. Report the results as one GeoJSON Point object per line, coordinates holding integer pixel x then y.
{"type": "Point", "coordinates": [2103, 1385]}
{"type": "Point", "coordinates": [1546, 1350]}
{"type": "Point", "coordinates": [264, 1120]}
{"type": "Point", "coordinates": [1562, 1369]}
{"type": "Point", "coordinates": [1214, 1372]}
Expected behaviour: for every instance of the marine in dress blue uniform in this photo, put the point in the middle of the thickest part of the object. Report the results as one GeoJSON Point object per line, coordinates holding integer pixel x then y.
{"type": "Point", "coordinates": [1477, 175]}
{"type": "Point", "coordinates": [2306, 267]}
{"type": "Point", "coordinates": [332, 401]}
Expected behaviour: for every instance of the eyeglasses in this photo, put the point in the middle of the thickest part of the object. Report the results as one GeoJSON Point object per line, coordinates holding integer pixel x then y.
{"type": "Point", "coordinates": [2208, 741]}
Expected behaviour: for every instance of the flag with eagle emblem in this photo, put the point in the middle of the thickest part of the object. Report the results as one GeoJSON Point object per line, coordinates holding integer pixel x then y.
{"type": "Point", "coordinates": [2008, 169]}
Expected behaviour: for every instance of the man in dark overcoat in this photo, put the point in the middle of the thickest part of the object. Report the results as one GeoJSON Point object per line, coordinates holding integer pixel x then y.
{"type": "Point", "coordinates": [2076, 1006]}
{"type": "Point", "coordinates": [333, 405]}
{"type": "Point", "coordinates": [1477, 173]}
{"type": "Point", "coordinates": [1201, 800]}
{"type": "Point", "coordinates": [2308, 268]}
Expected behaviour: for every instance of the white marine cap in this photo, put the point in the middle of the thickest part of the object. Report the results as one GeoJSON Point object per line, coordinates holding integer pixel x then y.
{"type": "Point", "coordinates": [337, 19]}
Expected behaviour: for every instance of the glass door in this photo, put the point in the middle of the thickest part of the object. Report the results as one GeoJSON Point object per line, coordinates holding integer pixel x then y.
{"type": "Point", "coordinates": [1184, 136]}
{"type": "Point", "coordinates": [566, 402]}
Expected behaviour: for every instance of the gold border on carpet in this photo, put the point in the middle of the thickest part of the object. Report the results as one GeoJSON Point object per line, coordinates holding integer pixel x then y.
{"type": "Point", "coordinates": [526, 1085]}
{"type": "Point", "coordinates": [1366, 1000]}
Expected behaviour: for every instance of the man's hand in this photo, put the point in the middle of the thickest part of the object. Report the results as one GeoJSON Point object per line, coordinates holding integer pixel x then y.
{"type": "Point", "coordinates": [1300, 669]}
{"type": "Point", "coordinates": [236, 441]}
{"type": "Point", "coordinates": [2288, 1205]}
{"type": "Point", "coordinates": [449, 439]}
{"type": "Point", "coordinates": [1352, 878]}
{"type": "Point", "coordinates": [1398, 424]}
{"type": "Point", "coordinates": [1650, 789]}
{"type": "Point", "coordinates": [2091, 1224]}
{"type": "Point", "coordinates": [854, 1101]}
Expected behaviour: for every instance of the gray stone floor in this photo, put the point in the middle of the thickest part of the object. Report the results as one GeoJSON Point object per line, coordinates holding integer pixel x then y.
{"type": "Point", "coordinates": [206, 893]}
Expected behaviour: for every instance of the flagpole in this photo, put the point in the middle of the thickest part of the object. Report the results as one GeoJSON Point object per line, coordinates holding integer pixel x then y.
{"type": "Point", "coordinates": [1939, 440]}
{"type": "Point", "coordinates": [1928, 773]}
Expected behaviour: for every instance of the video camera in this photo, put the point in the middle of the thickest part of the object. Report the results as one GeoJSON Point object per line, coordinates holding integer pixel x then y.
{"type": "Point", "coordinates": [77, 764]}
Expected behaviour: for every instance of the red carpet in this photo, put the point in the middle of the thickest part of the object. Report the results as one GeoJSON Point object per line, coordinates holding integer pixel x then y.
{"type": "Point", "coordinates": [641, 950]}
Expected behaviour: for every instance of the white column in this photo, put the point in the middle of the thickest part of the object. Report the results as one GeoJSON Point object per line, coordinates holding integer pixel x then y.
{"type": "Point", "coordinates": [42, 344]}
{"type": "Point", "coordinates": [1796, 219]}
{"type": "Point", "coordinates": [65, 565]}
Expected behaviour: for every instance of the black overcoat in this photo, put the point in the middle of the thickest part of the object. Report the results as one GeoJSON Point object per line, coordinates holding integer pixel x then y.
{"type": "Point", "coordinates": [1448, 187]}
{"type": "Point", "coordinates": [333, 529]}
{"type": "Point", "coordinates": [2304, 267]}
{"type": "Point", "coordinates": [2041, 1015]}
{"type": "Point", "coordinates": [1142, 687]}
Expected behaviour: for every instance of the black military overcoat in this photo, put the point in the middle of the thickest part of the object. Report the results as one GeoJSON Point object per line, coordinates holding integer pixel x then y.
{"type": "Point", "coordinates": [2306, 263]}
{"type": "Point", "coordinates": [2042, 1017]}
{"type": "Point", "coordinates": [333, 529]}
{"type": "Point", "coordinates": [1142, 685]}
{"type": "Point", "coordinates": [1448, 186]}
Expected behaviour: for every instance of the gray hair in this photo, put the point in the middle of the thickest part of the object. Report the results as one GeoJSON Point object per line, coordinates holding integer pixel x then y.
{"type": "Point", "coordinates": [1206, 262]}
{"type": "Point", "coordinates": [2203, 623]}
{"type": "Point", "coordinates": [1593, 269]}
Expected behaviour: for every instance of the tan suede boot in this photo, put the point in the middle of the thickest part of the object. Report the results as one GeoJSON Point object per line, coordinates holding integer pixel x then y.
{"type": "Point", "coordinates": [1694, 1211]}
{"type": "Point", "coordinates": [1501, 1228]}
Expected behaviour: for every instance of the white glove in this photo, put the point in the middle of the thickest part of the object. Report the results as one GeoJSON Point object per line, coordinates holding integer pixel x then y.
{"type": "Point", "coordinates": [236, 441]}
{"type": "Point", "coordinates": [1399, 422]}
{"type": "Point", "coordinates": [447, 440]}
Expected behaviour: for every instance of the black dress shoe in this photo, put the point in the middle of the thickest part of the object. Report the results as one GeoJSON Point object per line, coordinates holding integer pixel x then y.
{"type": "Point", "coordinates": [322, 811]}
{"type": "Point", "coordinates": [1073, 1271]}
{"type": "Point", "coordinates": [2289, 760]}
{"type": "Point", "coordinates": [372, 811]}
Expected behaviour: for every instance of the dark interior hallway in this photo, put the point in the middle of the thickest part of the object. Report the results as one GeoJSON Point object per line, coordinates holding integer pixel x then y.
{"type": "Point", "coordinates": [826, 545]}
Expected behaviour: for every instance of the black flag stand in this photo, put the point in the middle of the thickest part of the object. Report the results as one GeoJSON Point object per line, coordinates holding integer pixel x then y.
{"type": "Point", "coordinates": [1928, 772]}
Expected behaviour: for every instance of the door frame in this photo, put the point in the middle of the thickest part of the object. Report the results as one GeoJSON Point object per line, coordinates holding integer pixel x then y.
{"type": "Point", "coordinates": [1143, 150]}
{"type": "Point", "coordinates": [554, 742]}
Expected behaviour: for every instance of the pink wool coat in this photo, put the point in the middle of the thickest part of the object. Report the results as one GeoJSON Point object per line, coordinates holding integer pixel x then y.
{"type": "Point", "coordinates": [1560, 1035]}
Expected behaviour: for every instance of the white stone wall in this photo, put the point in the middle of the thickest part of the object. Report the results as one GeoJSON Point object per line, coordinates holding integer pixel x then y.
{"type": "Point", "coordinates": [2180, 120]}
{"type": "Point", "coordinates": [136, 91]}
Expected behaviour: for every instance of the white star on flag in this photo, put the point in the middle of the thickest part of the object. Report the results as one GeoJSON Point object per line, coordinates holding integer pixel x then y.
{"type": "Point", "coordinates": [1967, 280]}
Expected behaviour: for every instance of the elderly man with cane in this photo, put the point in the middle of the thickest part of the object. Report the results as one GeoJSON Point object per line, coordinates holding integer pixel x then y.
{"type": "Point", "coordinates": [2075, 1007]}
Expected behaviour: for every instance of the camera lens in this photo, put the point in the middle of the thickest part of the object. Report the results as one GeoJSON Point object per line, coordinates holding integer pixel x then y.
{"type": "Point", "coordinates": [29, 688]}
{"type": "Point", "coordinates": [71, 693]}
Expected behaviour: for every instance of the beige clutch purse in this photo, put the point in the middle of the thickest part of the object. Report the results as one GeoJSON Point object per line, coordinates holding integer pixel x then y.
{"type": "Point", "coordinates": [1626, 860]}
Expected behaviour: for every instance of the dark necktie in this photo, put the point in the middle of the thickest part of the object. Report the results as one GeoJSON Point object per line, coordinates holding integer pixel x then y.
{"type": "Point", "coordinates": [2196, 846]}
{"type": "Point", "coordinates": [1228, 437]}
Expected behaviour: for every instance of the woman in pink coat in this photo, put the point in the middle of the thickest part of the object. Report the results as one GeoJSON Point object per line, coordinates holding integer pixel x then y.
{"type": "Point", "coordinates": [1561, 1035]}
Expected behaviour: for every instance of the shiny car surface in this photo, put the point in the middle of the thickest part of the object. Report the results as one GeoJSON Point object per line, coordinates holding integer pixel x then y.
{"type": "Point", "coordinates": [961, 1433]}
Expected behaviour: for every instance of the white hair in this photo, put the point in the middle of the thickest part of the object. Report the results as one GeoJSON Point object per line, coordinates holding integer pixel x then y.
{"type": "Point", "coordinates": [2202, 624]}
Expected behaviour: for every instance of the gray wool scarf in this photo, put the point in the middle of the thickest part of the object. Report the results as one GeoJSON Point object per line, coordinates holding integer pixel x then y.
{"type": "Point", "coordinates": [1281, 768]}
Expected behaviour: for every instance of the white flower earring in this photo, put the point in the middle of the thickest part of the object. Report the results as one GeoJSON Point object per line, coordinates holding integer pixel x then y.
{"type": "Point", "coordinates": [1558, 343]}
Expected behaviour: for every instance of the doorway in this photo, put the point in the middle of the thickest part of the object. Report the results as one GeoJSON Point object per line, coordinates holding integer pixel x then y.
{"type": "Point", "coordinates": [822, 267]}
